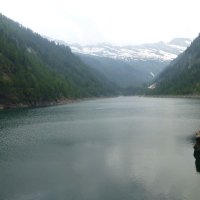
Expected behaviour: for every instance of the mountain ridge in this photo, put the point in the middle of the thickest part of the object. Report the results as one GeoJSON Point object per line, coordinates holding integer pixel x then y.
{"type": "Point", "coordinates": [161, 51]}
{"type": "Point", "coordinates": [35, 71]}
{"type": "Point", "coordinates": [133, 65]}
{"type": "Point", "coordinates": [182, 75]}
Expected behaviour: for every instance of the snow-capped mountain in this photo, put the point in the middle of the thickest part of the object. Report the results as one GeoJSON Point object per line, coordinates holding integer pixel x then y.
{"type": "Point", "coordinates": [130, 66]}
{"type": "Point", "coordinates": [160, 51]}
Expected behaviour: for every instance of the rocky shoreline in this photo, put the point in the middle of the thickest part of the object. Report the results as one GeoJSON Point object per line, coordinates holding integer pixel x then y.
{"type": "Point", "coordinates": [197, 144]}
{"type": "Point", "coordinates": [37, 105]}
{"type": "Point", "coordinates": [195, 96]}
{"type": "Point", "coordinates": [67, 101]}
{"type": "Point", "coordinates": [62, 101]}
{"type": "Point", "coordinates": [197, 151]}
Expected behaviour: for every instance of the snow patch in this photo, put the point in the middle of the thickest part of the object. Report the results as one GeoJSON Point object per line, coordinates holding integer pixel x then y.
{"type": "Point", "coordinates": [152, 87]}
{"type": "Point", "coordinates": [188, 42]}
{"type": "Point", "coordinates": [152, 74]}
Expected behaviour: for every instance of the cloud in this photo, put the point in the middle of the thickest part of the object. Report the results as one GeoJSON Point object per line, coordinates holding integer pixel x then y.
{"type": "Point", "coordinates": [119, 22]}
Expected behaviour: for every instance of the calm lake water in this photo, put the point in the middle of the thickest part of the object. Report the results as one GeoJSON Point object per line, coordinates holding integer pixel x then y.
{"type": "Point", "coordinates": [125, 148]}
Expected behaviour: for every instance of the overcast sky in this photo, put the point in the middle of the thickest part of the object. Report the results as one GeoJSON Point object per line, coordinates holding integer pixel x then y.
{"type": "Point", "coordinates": [119, 22]}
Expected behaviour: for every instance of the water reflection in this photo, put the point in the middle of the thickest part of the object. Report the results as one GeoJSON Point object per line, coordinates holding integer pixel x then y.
{"type": "Point", "coordinates": [197, 154]}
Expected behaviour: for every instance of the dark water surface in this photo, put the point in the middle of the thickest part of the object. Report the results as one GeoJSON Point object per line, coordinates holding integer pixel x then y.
{"type": "Point", "coordinates": [108, 149]}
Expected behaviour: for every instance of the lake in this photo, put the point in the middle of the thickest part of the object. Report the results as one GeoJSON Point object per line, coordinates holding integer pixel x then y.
{"type": "Point", "coordinates": [124, 148]}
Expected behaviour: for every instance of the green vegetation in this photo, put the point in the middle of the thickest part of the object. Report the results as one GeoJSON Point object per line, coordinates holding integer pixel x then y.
{"type": "Point", "coordinates": [34, 70]}
{"type": "Point", "coordinates": [182, 76]}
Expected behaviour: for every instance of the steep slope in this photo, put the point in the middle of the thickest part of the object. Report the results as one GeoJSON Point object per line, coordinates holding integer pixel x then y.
{"type": "Point", "coordinates": [34, 70]}
{"type": "Point", "coordinates": [182, 76]}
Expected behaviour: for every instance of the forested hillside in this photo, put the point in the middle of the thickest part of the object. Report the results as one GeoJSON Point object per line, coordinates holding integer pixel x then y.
{"type": "Point", "coordinates": [182, 76]}
{"type": "Point", "coordinates": [34, 70]}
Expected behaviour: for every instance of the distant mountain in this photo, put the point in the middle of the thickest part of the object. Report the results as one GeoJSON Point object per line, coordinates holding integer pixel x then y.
{"type": "Point", "coordinates": [182, 76]}
{"type": "Point", "coordinates": [123, 74]}
{"type": "Point", "coordinates": [130, 66]}
{"type": "Point", "coordinates": [160, 51]}
{"type": "Point", "coordinates": [34, 70]}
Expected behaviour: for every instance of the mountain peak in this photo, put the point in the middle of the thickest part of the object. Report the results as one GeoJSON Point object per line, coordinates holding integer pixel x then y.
{"type": "Point", "coordinates": [181, 42]}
